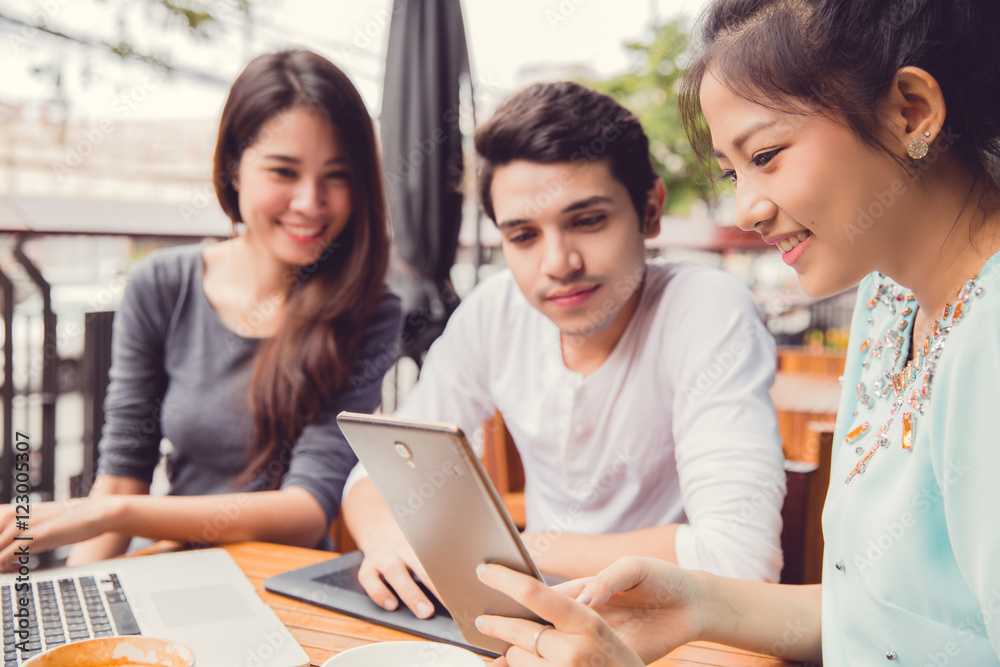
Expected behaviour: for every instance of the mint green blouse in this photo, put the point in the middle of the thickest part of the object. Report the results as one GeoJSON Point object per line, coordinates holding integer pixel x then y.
{"type": "Point", "coordinates": [911, 570]}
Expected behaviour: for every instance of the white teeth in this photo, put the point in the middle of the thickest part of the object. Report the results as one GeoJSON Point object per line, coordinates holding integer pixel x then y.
{"type": "Point", "coordinates": [303, 231]}
{"type": "Point", "coordinates": [785, 245]}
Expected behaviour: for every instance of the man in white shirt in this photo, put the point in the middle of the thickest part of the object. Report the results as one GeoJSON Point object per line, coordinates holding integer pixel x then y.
{"type": "Point", "coordinates": [636, 393]}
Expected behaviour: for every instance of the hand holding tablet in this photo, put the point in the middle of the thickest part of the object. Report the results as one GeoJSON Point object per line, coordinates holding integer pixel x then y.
{"type": "Point", "coordinates": [437, 491]}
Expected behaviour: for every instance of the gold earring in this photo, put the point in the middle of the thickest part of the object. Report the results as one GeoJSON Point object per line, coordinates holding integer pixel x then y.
{"type": "Point", "coordinates": [917, 149]}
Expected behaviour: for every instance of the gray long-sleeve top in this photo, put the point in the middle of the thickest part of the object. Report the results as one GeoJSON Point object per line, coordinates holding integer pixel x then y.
{"type": "Point", "coordinates": [178, 372]}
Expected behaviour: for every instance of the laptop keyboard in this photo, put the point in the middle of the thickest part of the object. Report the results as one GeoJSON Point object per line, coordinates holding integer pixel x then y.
{"type": "Point", "coordinates": [62, 611]}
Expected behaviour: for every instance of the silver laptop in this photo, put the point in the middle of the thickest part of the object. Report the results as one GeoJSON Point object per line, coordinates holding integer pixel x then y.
{"type": "Point", "coordinates": [200, 598]}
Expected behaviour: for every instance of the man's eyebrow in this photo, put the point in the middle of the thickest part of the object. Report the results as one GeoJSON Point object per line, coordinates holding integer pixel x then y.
{"type": "Point", "coordinates": [745, 136]}
{"type": "Point", "coordinates": [587, 203]}
{"type": "Point", "coordinates": [292, 160]}
{"type": "Point", "coordinates": [510, 224]}
{"type": "Point", "coordinates": [575, 206]}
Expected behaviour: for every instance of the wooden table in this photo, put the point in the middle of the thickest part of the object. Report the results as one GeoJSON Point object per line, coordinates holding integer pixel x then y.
{"type": "Point", "coordinates": [323, 633]}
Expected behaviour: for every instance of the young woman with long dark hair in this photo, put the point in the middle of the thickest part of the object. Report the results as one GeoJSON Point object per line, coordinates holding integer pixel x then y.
{"type": "Point", "coordinates": [863, 140]}
{"type": "Point", "coordinates": [242, 353]}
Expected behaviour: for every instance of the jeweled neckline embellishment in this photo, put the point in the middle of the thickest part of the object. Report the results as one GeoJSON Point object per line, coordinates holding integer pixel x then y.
{"type": "Point", "coordinates": [910, 386]}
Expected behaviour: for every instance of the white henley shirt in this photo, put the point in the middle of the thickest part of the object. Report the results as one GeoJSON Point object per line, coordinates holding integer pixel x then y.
{"type": "Point", "coordinates": [676, 426]}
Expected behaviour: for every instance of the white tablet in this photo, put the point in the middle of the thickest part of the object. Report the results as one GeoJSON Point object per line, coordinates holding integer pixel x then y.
{"type": "Point", "coordinates": [448, 510]}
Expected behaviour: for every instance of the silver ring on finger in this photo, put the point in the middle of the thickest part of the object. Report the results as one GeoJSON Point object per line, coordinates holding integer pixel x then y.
{"type": "Point", "coordinates": [534, 640]}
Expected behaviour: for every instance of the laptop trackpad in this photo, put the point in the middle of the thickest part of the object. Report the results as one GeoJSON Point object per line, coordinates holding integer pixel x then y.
{"type": "Point", "coordinates": [203, 604]}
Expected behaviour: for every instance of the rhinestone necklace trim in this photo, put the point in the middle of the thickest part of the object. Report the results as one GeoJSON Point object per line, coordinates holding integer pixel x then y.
{"type": "Point", "coordinates": [911, 386]}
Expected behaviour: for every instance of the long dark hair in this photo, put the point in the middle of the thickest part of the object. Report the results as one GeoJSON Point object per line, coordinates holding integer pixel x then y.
{"type": "Point", "coordinates": [839, 58]}
{"type": "Point", "coordinates": [308, 361]}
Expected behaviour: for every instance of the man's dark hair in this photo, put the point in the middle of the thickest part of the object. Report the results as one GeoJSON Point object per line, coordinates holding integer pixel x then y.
{"type": "Point", "coordinates": [550, 123]}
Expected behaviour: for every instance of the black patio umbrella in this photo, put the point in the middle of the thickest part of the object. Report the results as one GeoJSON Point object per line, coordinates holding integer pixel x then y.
{"type": "Point", "coordinates": [422, 157]}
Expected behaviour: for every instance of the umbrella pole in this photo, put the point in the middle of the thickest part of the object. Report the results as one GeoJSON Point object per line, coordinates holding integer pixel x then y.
{"type": "Point", "coordinates": [478, 261]}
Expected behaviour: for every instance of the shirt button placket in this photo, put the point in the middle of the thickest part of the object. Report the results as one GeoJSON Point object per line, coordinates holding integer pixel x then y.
{"type": "Point", "coordinates": [573, 445]}
{"type": "Point", "coordinates": [569, 399]}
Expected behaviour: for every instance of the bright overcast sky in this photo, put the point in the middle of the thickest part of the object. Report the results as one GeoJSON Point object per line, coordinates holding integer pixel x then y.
{"type": "Point", "coordinates": [505, 37]}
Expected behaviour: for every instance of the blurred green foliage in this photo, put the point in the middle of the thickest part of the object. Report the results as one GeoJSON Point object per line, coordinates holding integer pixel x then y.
{"type": "Point", "coordinates": [144, 31]}
{"type": "Point", "coordinates": [133, 25]}
{"type": "Point", "coordinates": [196, 16]}
{"type": "Point", "coordinates": [650, 90]}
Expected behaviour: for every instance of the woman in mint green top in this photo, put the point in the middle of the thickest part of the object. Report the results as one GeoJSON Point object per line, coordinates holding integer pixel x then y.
{"type": "Point", "coordinates": [911, 572]}
{"type": "Point", "coordinates": [863, 140]}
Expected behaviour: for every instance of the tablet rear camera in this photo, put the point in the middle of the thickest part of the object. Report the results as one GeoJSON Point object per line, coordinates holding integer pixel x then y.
{"type": "Point", "coordinates": [405, 452]}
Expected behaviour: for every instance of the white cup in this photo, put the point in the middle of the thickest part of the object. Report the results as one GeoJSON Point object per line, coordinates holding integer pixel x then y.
{"type": "Point", "coordinates": [406, 654]}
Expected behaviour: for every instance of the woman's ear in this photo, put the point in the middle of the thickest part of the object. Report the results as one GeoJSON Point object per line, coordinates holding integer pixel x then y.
{"type": "Point", "coordinates": [914, 108]}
